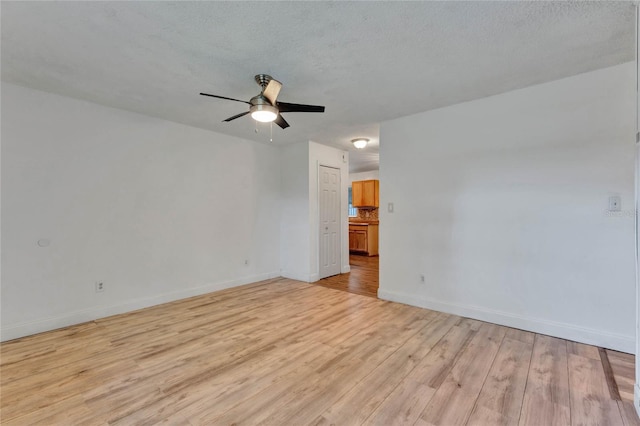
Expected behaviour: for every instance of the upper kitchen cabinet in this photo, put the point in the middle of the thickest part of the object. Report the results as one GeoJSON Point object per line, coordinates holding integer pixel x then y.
{"type": "Point", "coordinates": [365, 193]}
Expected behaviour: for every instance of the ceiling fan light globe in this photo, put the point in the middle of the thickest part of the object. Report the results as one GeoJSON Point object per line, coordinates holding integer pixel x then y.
{"type": "Point", "coordinates": [264, 113]}
{"type": "Point", "coordinates": [264, 116]}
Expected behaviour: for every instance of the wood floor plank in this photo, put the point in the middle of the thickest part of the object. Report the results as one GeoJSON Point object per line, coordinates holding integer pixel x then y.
{"type": "Point", "coordinates": [24, 399]}
{"type": "Point", "coordinates": [609, 375]}
{"type": "Point", "coordinates": [583, 350]}
{"type": "Point", "coordinates": [591, 403]}
{"type": "Point", "coordinates": [546, 399]}
{"type": "Point", "coordinates": [520, 335]}
{"type": "Point", "coordinates": [363, 278]}
{"type": "Point", "coordinates": [231, 387]}
{"type": "Point", "coordinates": [406, 402]}
{"type": "Point", "coordinates": [129, 400]}
{"type": "Point", "coordinates": [356, 405]}
{"type": "Point", "coordinates": [628, 413]}
{"type": "Point", "coordinates": [404, 405]}
{"type": "Point", "coordinates": [284, 352]}
{"type": "Point", "coordinates": [500, 399]}
{"type": "Point", "coordinates": [437, 366]}
{"type": "Point", "coordinates": [311, 394]}
{"type": "Point", "coordinates": [454, 400]}
{"type": "Point", "coordinates": [68, 411]}
{"type": "Point", "coordinates": [623, 366]}
{"type": "Point", "coordinates": [280, 381]}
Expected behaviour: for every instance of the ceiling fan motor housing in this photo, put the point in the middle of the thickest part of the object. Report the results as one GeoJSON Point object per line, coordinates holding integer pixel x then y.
{"type": "Point", "coordinates": [263, 108]}
{"type": "Point", "coordinates": [259, 100]}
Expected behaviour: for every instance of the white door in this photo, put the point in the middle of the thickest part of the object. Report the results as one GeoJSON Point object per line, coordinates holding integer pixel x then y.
{"type": "Point", "coordinates": [329, 221]}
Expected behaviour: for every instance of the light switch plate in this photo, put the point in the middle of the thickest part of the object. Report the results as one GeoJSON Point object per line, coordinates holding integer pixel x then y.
{"type": "Point", "coordinates": [390, 207]}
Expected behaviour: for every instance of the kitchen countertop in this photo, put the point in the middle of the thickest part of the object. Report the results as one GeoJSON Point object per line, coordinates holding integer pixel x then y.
{"type": "Point", "coordinates": [373, 222]}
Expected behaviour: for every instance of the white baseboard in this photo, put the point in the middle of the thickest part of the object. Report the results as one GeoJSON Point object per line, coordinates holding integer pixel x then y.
{"type": "Point", "coordinates": [15, 331]}
{"type": "Point", "coordinates": [589, 336]}
{"type": "Point", "coordinates": [311, 278]}
{"type": "Point", "coordinates": [296, 276]}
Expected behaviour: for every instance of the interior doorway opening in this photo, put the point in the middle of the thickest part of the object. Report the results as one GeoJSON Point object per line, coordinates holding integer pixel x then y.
{"type": "Point", "coordinates": [363, 279]}
{"type": "Point", "coordinates": [364, 261]}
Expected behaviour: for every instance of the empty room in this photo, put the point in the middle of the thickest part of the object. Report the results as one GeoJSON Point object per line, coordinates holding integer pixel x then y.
{"type": "Point", "coordinates": [319, 213]}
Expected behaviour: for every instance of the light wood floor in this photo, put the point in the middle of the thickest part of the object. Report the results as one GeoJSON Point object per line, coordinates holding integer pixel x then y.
{"type": "Point", "coordinates": [287, 353]}
{"type": "Point", "coordinates": [623, 368]}
{"type": "Point", "coordinates": [363, 278]}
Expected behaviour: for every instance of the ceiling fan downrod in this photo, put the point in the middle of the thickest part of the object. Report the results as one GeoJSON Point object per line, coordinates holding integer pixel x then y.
{"type": "Point", "coordinates": [263, 80]}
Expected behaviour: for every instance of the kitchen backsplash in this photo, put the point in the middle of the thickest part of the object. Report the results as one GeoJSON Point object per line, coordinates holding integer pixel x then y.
{"type": "Point", "coordinates": [368, 214]}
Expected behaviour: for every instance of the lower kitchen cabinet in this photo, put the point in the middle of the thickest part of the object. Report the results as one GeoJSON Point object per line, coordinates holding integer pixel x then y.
{"type": "Point", "coordinates": [363, 238]}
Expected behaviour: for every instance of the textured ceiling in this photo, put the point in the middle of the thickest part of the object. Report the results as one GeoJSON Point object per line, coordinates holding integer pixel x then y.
{"type": "Point", "coordinates": [366, 61]}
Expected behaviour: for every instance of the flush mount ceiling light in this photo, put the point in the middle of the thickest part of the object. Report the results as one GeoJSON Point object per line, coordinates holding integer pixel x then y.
{"type": "Point", "coordinates": [360, 143]}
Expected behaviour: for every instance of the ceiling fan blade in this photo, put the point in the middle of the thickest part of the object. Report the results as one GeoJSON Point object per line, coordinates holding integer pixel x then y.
{"type": "Point", "coordinates": [280, 121]}
{"type": "Point", "coordinates": [224, 97]}
{"type": "Point", "coordinates": [272, 90]}
{"type": "Point", "coordinates": [287, 107]}
{"type": "Point", "coordinates": [237, 116]}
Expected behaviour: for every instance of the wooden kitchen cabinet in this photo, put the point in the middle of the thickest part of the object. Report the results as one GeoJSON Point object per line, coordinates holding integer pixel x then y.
{"type": "Point", "coordinates": [363, 238]}
{"type": "Point", "coordinates": [358, 240]}
{"type": "Point", "coordinates": [365, 193]}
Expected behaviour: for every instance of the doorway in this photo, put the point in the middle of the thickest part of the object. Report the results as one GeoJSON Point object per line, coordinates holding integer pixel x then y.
{"type": "Point", "coordinates": [362, 279]}
{"type": "Point", "coordinates": [329, 208]}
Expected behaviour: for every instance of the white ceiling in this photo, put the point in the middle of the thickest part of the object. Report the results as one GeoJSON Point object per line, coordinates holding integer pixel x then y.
{"type": "Point", "coordinates": [366, 61]}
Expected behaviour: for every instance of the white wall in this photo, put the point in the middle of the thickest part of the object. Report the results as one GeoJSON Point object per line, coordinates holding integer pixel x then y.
{"type": "Point", "coordinates": [322, 155]}
{"type": "Point", "coordinates": [299, 251]}
{"type": "Point", "coordinates": [501, 204]}
{"type": "Point", "coordinates": [294, 239]}
{"type": "Point", "coordinates": [373, 174]}
{"type": "Point", "coordinates": [158, 210]}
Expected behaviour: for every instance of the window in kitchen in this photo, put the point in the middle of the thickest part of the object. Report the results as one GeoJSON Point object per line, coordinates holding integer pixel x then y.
{"type": "Point", "coordinates": [353, 212]}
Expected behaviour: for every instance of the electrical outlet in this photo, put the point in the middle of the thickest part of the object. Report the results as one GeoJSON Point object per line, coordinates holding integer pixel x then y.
{"type": "Point", "coordinates": [422, 278]}
{"type": "Point", "coordinates": [615, 203]}
{"type": "Point", "coordinates": [99, 286]}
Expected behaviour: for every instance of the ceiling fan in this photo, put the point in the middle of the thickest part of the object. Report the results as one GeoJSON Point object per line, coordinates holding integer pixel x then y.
{"type": "Point", "coordinates": [265, 107]}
